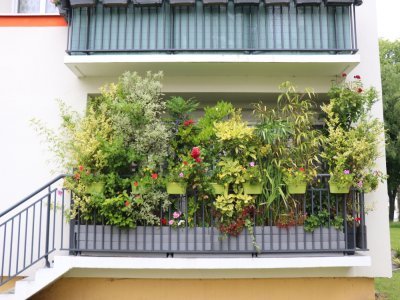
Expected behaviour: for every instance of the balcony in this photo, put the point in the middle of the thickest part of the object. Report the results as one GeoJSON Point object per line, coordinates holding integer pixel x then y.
{"type": "Point", "coordinates": [200, 28]}
{"type": "Point", "coordinates": [102, 39]}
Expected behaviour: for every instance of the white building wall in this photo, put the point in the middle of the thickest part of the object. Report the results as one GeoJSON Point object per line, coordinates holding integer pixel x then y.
{"type": "Point", "coordinates": [33, 75]}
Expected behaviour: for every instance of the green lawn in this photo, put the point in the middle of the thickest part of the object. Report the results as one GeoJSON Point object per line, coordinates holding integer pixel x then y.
{"type": "Point", "coordinates": [390, 288]}
{"type": "Point", "coordinates": [395, 235]}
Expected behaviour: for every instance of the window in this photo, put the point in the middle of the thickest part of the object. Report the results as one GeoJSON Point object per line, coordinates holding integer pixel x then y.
{"type": "Point", "coordinates": [35, 7]}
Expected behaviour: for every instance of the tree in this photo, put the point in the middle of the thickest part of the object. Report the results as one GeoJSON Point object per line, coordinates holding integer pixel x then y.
{"type": "Point", "coordinates": [390, 72]}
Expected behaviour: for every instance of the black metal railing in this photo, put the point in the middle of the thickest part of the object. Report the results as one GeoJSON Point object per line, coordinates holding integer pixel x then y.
{"type": "Point", "coordinates": [201, 235]}
{"type": "Point", "coordinates": [28, 230]}
{"type": "Point", "coordinates": [40, 224]}
{"type": "Point", "coordinates": [167, 28]}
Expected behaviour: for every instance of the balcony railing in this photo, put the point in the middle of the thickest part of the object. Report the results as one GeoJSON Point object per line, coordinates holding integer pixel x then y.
{"type": "Point", "coordinates": [39, 225]}
{"type": "Point", "coordinates": [201, 28]}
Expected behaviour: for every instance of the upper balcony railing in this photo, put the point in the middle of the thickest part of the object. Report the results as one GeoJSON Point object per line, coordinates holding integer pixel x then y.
{"type": "Point", "coordinates": [241, 26]}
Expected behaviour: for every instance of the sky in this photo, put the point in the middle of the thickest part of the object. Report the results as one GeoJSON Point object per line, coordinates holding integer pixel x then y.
{"type": "Point", "coordinates": [388, 19]}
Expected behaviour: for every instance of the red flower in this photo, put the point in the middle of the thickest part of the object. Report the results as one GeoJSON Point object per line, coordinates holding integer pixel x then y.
{"type": "Point", "coordinates": [344, 74]}
{"type": "Point", "coordinates": [80, 168]}
{"type": "Point", "coordinates": [154, 176]}
{"type": "Point", "coordinates": [301, 169]}
{"type": "Point", "coordinates": [359, 90]}
{"type": "Point", "coordinates": [357, 219]}
{"type": "Point", "coordinates": [135, 183]}
{"type": "Point", "coordinates": [198, 159]}
{"type": "Point", "coordinates": [163, 221]}
{"type": "Point", "coordinates": [195, 152]}
{"type": "Point", "coordinates": [185, 163]}
{"type": "Point", "coordinates": [188, 122]}
{"type": "Point", "coordinates": [127, 203]}
{"type": "Point", "coordinates": [357, 77]}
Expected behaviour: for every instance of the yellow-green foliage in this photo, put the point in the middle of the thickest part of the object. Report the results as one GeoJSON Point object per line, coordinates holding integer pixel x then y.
{"type": "Point", "coordinates": [231, 204]}
{"type": "Point", "coordinates": [234, 129]}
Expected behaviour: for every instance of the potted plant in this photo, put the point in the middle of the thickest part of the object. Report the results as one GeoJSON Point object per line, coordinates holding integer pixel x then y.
{"type": "Point", "coordinates": [252, 176]}
{"type": "Point", "coordinates": [176, 180]}
{"type": "Point", "coordinates": [341, 181]}
{"type": "Point", "coordinates": [80, 3]}
{"type": "Point", "coordinates": [296, 180]}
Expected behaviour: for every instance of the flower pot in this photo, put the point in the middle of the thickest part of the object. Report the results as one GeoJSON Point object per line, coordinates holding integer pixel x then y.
{"type": "Point", "coordinates": [308, 2]}
{"type": "Point", "coordinates": [297, 188]}
{"type": "Point", "coordinates": [252, 188]}
{"type": "Point", "coordinates": [218, 189]}
{"type": "Point", "coordinates": [115, 2]}
{"type": "Point", "coordinates": [176, 188]}
{"type": "Point", "coordinates": [338, 189]}
{"type": "Point", "coordinates": [277, 2]}
{"type": "Point", "coordinates": [95, 188]}
{"type": "Point", "coordinates": [338, 2]}
{"type": "Point", "coordinates": [182, 2]}
{"type": "Point", "coordinates": [78, 3]}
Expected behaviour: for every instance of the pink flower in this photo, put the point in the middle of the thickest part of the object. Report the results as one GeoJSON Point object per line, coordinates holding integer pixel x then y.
{"type": "Point", "coordinates": [198, 159]}
{"type": "Point", "coordinates": [154, 176]}
{"type": "Point", "coordinates": [360, 184]}
{"type": "Point", "coordinates": [59, 192]}
{"type": "Point", "coordinates": [346, 172]}
{"type": "Point", "coordinates": [181, 174]}
{"type": "Point", "coordinates": [252, 164]}
{"type": "Point", "coordinates": [357, 77]}
{"type": "Point", "coordinates": [176, 214]}
{"type": "Point", "coordinates": [171, 222]}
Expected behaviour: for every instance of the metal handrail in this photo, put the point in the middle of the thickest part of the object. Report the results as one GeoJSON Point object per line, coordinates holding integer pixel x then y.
{"type": "Point", "coordinates": [33, 194]}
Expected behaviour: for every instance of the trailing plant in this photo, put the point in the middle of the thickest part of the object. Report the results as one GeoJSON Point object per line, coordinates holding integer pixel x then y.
{"type": "Point", "coordinates": [322, 219]}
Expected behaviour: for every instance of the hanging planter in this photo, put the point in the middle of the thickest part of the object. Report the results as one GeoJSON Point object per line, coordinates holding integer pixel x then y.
{"type": "Point", "coordinates": [277, 2]}
{"type": "Point", "coordinates": [115, 2]}
{"type": "Point", "coordinates": [219, 189]}
{"type": "Point", "coordinates": [82, 3]}
{"type": "Point", "coordinates": [297, 188]}
{"type": "Point", "coordinates": [252, 188]}
{"type": "Point", "coordinates": [176, 188]}
{"type": "Point", "coordinates": [96, 188]}
{"type": "Point", "coordinates": [335, 188]}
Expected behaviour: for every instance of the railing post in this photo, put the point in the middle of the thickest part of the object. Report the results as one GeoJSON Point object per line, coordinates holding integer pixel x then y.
{"type": "Point", "coordinates": [48, 227]}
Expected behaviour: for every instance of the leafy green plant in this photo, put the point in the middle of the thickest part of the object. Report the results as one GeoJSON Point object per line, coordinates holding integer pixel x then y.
{"type": "Point", "coordinates": [322, 219]}
{"type": "Point", "coordinates": [252, 174]}
{"type": "Point", "coordinates": [179, 108]}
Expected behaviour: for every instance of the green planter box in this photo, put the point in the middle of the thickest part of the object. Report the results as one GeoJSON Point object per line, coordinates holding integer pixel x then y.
{"type": "Point", "coordinates": [299, 188]}
{"type": "Point", "coordinates": [96, 188]}
{"type": "Point", "coordinates": [252, 189]}
{"type": "Point", "coordinates": [336, 189]}
{"type": "Point", "coordinates": [218, 189]}
{"type": "Point", "coordinates": [176, 188]}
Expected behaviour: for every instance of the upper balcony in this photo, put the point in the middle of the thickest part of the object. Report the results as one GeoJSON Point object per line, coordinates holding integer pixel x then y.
{"type": "Point", "coordinates": [287, 31]}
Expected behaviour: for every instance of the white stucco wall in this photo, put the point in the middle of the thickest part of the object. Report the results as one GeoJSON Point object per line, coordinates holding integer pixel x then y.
{"type": "Point", "coordinates": [33, 75]}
